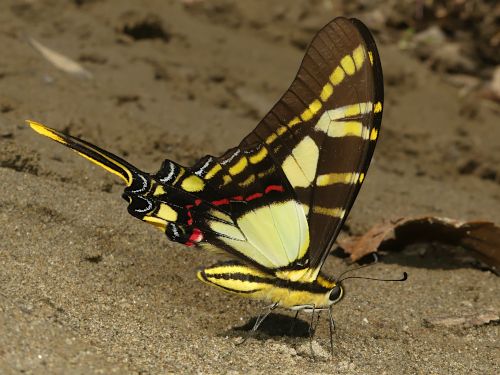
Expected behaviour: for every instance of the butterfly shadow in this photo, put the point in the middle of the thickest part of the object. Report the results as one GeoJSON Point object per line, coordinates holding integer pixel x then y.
{"type": "Point", "coordinates": [428, 255]}
{"type": "Point", "coordinates": [275, 325]}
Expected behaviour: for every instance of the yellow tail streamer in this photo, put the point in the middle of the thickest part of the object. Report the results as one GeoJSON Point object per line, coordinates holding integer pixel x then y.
{"type": "Point", "coordinates": [105, 159]}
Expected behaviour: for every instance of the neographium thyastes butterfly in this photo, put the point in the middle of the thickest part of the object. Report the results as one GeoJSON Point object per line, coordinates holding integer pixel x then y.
{"type": "Point", "coordinates": [276, 202]}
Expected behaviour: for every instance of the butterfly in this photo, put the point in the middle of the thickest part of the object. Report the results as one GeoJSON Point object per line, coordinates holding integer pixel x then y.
{"type": "Point", "coordinates": [277, 201]}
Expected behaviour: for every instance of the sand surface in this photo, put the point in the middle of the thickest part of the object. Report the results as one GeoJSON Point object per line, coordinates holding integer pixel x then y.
{"type": "Point", "coordinates": [85, 288]}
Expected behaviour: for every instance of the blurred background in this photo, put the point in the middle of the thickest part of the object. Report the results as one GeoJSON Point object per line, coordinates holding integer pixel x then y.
{"type": "Point", "coordinates": [85, 288]}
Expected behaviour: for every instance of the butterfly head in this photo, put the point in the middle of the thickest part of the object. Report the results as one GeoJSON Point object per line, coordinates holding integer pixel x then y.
{"type": "Point", "coordinates": [336, 294]}
{"type": "Point", "coordinates": [335, 291]}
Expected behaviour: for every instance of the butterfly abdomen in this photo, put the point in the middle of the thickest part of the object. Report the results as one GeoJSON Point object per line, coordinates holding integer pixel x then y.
{"type": "Point", "coordinates": [236, 278]}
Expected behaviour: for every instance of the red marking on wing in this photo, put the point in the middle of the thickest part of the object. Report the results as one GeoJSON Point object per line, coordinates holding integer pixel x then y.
{"type": "Point", "coordinates": [254, 196]}
{"type": "Point", "coordinates": [196, 236]}
{"type": "Point", "coordinates": [275, 187]}
{"type": "Point", "coordinates": [197, 202]}
{"type": "Point", "coordinates": [222, 201]}
{"type": "Point", "coordinates": [189, 244]}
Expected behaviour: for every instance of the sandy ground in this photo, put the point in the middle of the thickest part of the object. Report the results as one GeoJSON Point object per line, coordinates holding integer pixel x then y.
{"type": "Point", "coordinates": [86, 288]}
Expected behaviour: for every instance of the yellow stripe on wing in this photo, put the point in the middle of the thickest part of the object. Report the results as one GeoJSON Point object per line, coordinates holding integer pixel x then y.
{"type": "Point", "coordinates": [87, 150]}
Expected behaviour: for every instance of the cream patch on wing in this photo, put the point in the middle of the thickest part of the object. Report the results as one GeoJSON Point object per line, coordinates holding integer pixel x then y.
{"type": "Point", "coordinates": [278, 232]}
{"type": "Point", "coordinates": [226, 230]}
{"type": "Point", "coordinates": [300, 166]}
{"type": "Point", "coordinates": [249, 251]}
{"type": "Point", "coordinates": [335, 122]}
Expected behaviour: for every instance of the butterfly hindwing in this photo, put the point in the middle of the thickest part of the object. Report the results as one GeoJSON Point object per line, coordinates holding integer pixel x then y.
{"type": "Point", "coordinates": [262, 204]}
{"type": "Point", "coordinates": [313, 147]}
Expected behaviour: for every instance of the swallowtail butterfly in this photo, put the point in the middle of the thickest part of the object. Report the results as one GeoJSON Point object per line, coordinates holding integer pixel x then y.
{"type": "Point", "coordinates": [277, 201]}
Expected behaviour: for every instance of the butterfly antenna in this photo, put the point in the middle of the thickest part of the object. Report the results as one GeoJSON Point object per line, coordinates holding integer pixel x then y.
{"type": "Point", "coordinates": [339, 279]}
{"type": "Point", "coordinates": [405, 277]}
{"type": "Point", "coordinates": [358, 268]}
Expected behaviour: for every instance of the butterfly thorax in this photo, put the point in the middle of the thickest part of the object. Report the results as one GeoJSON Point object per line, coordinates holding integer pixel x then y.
{"type": "Point", "coordinates": [236, 278]}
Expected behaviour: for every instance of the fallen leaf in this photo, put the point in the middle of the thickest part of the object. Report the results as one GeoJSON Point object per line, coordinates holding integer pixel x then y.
{"type": "Point", "coordinates": [481, 238]}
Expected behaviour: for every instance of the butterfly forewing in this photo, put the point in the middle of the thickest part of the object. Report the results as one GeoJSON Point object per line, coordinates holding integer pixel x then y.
{"type": "Point", "coordinates": [323, 131]}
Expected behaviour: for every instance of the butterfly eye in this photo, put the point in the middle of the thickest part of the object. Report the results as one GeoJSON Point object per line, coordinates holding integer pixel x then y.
{"type": "Point", "coordinates": [336, 294]}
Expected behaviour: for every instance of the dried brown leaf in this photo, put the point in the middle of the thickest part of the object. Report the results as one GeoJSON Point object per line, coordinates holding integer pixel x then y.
{"type": "Point", "coordinates": [481, 238]}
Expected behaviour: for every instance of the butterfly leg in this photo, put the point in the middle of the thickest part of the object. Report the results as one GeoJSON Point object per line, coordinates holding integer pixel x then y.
{"type": "Point", "coordinates": [312, 330]}
{"type": "Point", "coordinates": [332, 328]}
{"type": "Point", "coordinates": [294, 322]}
{"type": "Point", "coordinates": [259, 320]}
